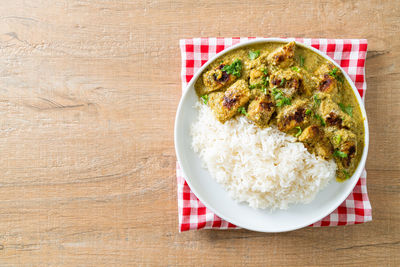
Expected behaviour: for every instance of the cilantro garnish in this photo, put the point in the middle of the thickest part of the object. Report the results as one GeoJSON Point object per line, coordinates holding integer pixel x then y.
{"type": "Point", "coordinates": [299, 131]}
{"type": "Point", "coordinates": [337, 139]}
{"type": "Point", "coordinates": [346, 174]}
{"type": "Point", "coordinates": [205, 99]}
{"type": "Point", "coordinates": [254, 54]}
{"type": "Point", "coordinates": [242, 110]}
{"type": "Point", "coordinates": [264, 89]}
{"type": "Point", "coordinates": [235, 68]}
{"type": "Point", "coordinates": [340, 154]}
{"type": "Point", "coordinates": [295, 68]}
{"type": "Point", "coordinates": [301, 61]}
{"type": "Point", "coordinates": [321, 120]}
{"type": "Point", "coordinates": [317, 101]}
{"type": "Point", "coordinates": [347, 109]}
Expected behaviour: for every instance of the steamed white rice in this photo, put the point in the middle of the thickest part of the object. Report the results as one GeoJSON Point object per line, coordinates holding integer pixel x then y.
{"type": "Point", "coordinates": [264, 167]}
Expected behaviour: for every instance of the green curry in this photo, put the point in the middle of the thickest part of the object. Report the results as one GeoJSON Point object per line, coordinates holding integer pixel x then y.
{"type": "Point", "coordinates": [293, 88]}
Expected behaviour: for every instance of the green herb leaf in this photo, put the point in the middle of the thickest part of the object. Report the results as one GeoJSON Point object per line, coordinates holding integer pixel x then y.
{"type": "Point", "coordinates": [295, 68]}
{"type": "Point", "coordinates": [347, 109]}
{"type": "Point", "coordinates": [308, 111]}
{"type": "Point", "coordinates": [299, 131]}
{"type": "Point", "coordinates": [282, 82]}
{"type": "Point", "coordinates": [283, 101]}
{"type": "Point", "coordinates": [252, 86]}
{"type": "Point", "coordinates": [265, 71]}
{"type": "Point", "coordinates": [242, 110]}
{"type": "Point", "coordinates": [266, 81]}
{"type": "Point", "coordinates": [278, 96]}
{"type": "Point", "coordinates": [254, 54]}
{"type": "Point", "coordinates": [264, 89]}
{"type": "Point", "coordinates": [321, 120]}
{"type": "Point", "coordinates": [340, 154]}
{"type": "Point", "coordinates": [317, 101]}
{"type": "Point", "coordinates": [346, 174]}
{"type": "Point", "coordinates": [333, 72]}
{"type": "Point", "coordinates": [277, 93]}
{"type": "Point", "coordinates": [205, 99]}
{"type": "Point", "coordinates": [335, 75]}
{"type": "Point", "coordinates": [337, 139]}
{"type": "Point", "coordinates": [235, 68]}
{"type": "Point", "coordinates": [301, 61]}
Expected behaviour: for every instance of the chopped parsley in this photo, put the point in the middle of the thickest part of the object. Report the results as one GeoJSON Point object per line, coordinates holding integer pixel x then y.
{"type": "Point", "coordinates": [295, 68]}
{"type": "Point", "coordinates": [317, 101]}
{"type": "Point", "coordinates": [282, 82]}
{"type": "Point", "coordinates": [277, 93]}
{"type": "Point", "coordinates": [266, 81]}
{"type": "Point", "coordinates": [301, 61]}
{"type": "Point", "coordinates": [281, 100]}
{"type": "Point", "coordinates": [347, 109]}
{"type": "Point", "coordinates": [235, 68]}
{"type": "Point", "coordinates": [205, 99]}
{"type": "Point", "coordinates": [252, 86]}
{"type": "Point", "coordinates": [308, 111]}
{"type": "Point", "coordinates": [340, 154]}
{"type": "Point", "coordinates": [321, 120]}
{"type": "Point", "coordinates": [299, 131]}
{"type": "Point", "coordinates": [242, 110]}
{"type": "Point", "coordinates": [254, 54]}
{"type": "Point", "coordinates": [264, 89]}
{"type": "Point", "coordinates": [337, 139]}
{"type": "Point", "coordinates": [346, 174]}
{"type": "Point", "coordinates": [334, 73]}
{"type": "Point", "coordinates": [265, 71]}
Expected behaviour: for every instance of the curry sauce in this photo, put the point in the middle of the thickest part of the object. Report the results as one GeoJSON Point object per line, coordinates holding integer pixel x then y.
{"type": "Point", "coordinates": [291, 87]}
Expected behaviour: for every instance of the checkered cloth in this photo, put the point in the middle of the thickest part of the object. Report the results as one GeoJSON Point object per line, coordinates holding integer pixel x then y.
{"type": "Point", "coordinates": [350, 54]}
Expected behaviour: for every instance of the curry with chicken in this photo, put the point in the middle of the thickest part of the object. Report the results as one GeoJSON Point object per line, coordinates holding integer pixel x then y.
{"type": "Point", "coordinates": [291, 87]}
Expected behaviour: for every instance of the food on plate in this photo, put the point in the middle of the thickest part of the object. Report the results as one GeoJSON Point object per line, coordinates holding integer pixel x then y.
{"type": "Point", "coordinates": [292, 90]}
{"type": "Point", "coordinates": [264, 167]}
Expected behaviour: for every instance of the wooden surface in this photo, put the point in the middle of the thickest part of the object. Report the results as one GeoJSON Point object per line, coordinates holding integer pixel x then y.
{"type": "Point", "coordinates": [88, 94]}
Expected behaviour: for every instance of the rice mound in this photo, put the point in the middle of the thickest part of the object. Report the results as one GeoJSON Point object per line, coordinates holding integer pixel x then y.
{"type": "Point", "coordinates": [264, 167]}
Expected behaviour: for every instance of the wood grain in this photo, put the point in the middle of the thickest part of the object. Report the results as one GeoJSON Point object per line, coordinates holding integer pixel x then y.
{"type": "Point", "coordinates": [88, 94]}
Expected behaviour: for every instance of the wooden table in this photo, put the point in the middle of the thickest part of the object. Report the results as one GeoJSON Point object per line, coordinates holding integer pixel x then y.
{"type": "Point", "coordinates": [88, 94]}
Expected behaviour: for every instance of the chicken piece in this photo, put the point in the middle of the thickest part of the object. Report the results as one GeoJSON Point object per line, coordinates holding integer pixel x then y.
{"type": "Point", "coordinates": [323, 149]}
{"type": "Point", "coordinates": [332, 114]}
{"type": "Point", "coordinates": [349, 147]}
{"type": "Point", "coordinates": [316, 142]}
{"type": "Point", "coordinates": [257, 76]}
{"type": "Point", "coordinates": [288, 81]}
{"type": "Point", "coordinates": [326, 69]}
{"type": "Point", "coordinates": [225, 104]}
{"type": "Point", "coordinates": [260, 110]}
{"type": "Point", "coordinates": [255, 93]}
{"type": "Point", "coordinates": [292, 116]}
{"type": "Point", "coordinates": [327, 82]}
{"type": "Point", "coordinates": [311, 134]}
{"type": "Point", "coordinates": [339, 137]}
{"type": "Point", "coordinates": [283, 56]}
{"type": "Point", "coordinates": [216, 79]}
{"type": "Point", "coordinates": [308, 84]}
{"type": "Point", "coordinates": [259, 61]}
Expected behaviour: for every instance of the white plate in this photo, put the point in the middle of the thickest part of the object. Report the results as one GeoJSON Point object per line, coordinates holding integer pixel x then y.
{"type": "Point", "coordinates": [217, 199]}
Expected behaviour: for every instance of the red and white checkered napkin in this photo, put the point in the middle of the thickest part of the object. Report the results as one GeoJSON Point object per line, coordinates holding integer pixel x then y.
{"type": "Point", "coordinates": [350, 54]}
